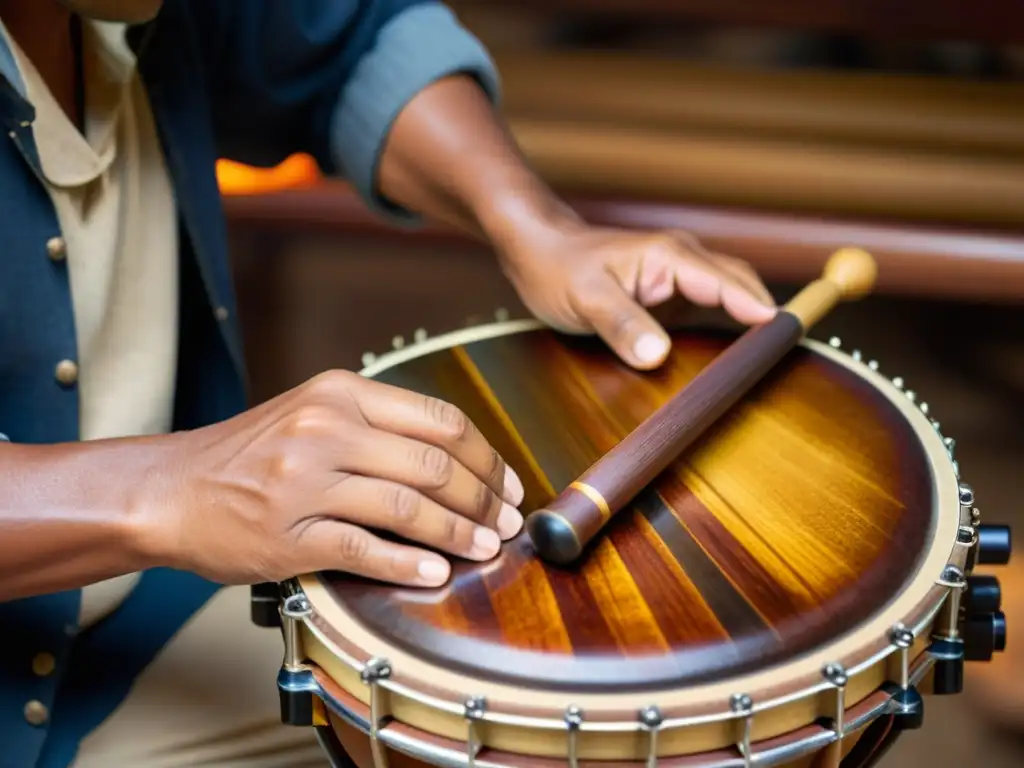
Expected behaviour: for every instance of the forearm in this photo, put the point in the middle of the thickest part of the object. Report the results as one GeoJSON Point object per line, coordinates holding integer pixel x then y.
{"type": "Point", "coordinates": [450, 157]}
{"type": "Point", "coordinates": [74, 514]}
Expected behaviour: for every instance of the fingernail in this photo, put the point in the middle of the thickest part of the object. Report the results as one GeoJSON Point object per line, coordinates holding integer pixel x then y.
{"type": "Point", "coordinates": [486, 543]}
{"type": "Point", "coordinates": [509, 521]}
{"type": "Point", "coordinates": [513, 487]}
{"type": "Point", "coordinates": [650, 348]}
{"type": "Point", "coordinates": [432, 572]}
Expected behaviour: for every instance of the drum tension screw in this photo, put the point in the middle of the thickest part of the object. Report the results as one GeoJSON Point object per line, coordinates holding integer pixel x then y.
{"type": "Point", "coordinates": [936, 426]}
{"type": "Point", "coordinates": [573, 721]}
{"type": "Point", "coordinates": [835, 342]}
{"type": "Point", "coordinates": [651, 720]}
{"type": "Point", "coordinates": [473, 711]}
{"type": "Point", "coordinates": [911, 395]}
{"type": "Point", "coordinates": [953, 577]}
{"type": "Point", "coordinates": [856, 355]}
{"type": "Point", "coordinates": [836, 675]}
{"type": "Point", "coordinates": [475, 707]}
{"type": "Point", "coordinates": [375, 671]}
{"type": "Point", "coordinates": [898, 382]}
{"type": "Point", "coordinates": [967, 536]}
{"type": "Point", "coordinates": [651, 717]}
{"type": "Point", "coordinates": [741, 704]}
{"type": "Point", "coordinates": [873, 365]}
{"type": "Point", "coordinates": [902, 637]}
{"type": "Point", "coordinates": [950, 444]}
{"type": "Point", "coordinates": [966, 495]}
{"type": "Point", "coordinates": [296, 607]}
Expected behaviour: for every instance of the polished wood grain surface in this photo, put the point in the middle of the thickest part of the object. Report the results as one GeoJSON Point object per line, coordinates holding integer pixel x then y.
{"type": "Point", "coordinates": [563, 528]}
{"type": "Point", "coordinates": [794, 519]}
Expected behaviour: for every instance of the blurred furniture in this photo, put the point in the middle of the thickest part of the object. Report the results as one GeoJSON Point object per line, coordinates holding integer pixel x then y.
{"type": "Point", "coordinates": [987, 20]}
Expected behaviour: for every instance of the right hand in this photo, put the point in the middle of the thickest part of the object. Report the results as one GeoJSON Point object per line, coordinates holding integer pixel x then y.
{"type": "Point", "coordinates": [296, 484]}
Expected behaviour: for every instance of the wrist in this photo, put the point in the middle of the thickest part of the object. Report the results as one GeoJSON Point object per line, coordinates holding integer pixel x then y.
{"type": "Point", "coordinates": [154, 503]}
{"type": "Point", "coordinates": [521, 215]}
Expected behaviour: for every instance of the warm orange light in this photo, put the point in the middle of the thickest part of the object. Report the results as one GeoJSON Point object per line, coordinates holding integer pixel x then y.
{"type": "Point", "coordinates": [238, 179]}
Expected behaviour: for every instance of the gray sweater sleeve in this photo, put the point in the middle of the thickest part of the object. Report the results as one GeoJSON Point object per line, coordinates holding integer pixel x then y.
{"type": "Point", "coordinates": [414, 49]}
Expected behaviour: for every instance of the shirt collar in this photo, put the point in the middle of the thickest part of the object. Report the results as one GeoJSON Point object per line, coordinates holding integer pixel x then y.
{"type": "Point", "coordinates": [67, 158]}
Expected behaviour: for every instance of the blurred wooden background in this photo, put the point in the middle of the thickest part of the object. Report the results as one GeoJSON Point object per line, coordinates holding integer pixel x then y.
{"type": "Point", "coordinates": [774, 131]}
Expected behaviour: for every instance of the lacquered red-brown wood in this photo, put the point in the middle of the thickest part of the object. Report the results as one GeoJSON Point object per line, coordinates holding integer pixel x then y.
{"type": "Point", "coordinates": [562, 530]}
{"type": "Point", "coordinates": [793, 519]}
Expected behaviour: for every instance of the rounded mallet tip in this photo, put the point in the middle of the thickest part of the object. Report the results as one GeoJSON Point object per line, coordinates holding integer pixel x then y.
{"type": "Point", "coordinates": [853, 271]}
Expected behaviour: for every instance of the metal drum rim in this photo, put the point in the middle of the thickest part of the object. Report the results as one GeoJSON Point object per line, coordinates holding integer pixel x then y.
{"type": "Point", "coordinates": [327, 627]}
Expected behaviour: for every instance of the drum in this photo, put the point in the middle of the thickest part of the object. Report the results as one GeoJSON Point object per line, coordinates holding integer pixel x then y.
{"type": "Point", "coordinates": [782, 595]}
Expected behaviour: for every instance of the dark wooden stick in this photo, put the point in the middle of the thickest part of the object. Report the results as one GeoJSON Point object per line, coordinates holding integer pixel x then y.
{"type": "Point", "coordinates": [561, 530]}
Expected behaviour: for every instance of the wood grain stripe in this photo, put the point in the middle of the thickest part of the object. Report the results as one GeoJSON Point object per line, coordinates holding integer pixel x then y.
{"type": "Point", "coordinates": [756, 582]}
{"type": "Point", "coordinates": [682, 613]}
{"type": "Point", "coordinates": [731, 608]}
{"type": "Point", "coordinates": [484, 389]}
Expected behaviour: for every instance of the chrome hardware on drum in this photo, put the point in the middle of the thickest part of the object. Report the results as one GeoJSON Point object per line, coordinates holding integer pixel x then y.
{"type": "Point", "coordinates": [782, 594]}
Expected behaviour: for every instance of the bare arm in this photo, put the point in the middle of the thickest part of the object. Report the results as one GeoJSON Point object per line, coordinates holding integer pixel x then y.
{"type": "Point", "coordinates": [72, 514]}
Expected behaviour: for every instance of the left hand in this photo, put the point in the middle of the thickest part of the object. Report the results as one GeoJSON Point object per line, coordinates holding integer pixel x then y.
{"type": "Point", "coordinates": [583, 279]}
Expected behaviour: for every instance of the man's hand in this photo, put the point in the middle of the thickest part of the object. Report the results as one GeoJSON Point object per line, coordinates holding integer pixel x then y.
{"type": "Point", "coordinates": [299, 483]}
{"type": "Point", "coordinates": [582, 279]}
{"type": "Point", "coordinates": [450, 156]}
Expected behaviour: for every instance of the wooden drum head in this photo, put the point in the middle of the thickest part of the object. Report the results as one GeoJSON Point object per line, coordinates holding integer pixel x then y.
{"type": "Point", "coordinates": [791, 527]}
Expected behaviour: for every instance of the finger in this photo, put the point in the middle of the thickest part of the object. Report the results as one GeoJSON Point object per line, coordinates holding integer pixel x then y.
{"type": "Point", "coordinates": [624, 325]}
{"type": "Point", "coordinates": [706, 283]}
{"type": "Point", "coordinates": [432, 471]}
{"type": "Point", "coordinates": [655, 284]}
{"type": "Point", "coordinates": [329, 545]}
{"type": "Point", "coordinates": [739, 289]}
{"type": "Point", "coordinates": [434, 421]}
{"type": "Point", "coordinates": [746, 276]}
{"type": "Point", "coordinates": [389, 506]}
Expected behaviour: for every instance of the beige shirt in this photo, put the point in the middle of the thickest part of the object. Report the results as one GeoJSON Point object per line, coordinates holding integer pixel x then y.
{"type": "Point", "coordinates": [117, 215]}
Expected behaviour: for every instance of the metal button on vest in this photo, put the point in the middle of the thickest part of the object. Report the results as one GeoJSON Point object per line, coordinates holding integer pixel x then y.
{"type": "Point", "coordinates": [44, 664]}
{"type": "Point", "coordinates": [56, 248]}
{"type": "Point", "coordinates": [67, 372]}
{"type": "Point", "coordinates": [36, 713]}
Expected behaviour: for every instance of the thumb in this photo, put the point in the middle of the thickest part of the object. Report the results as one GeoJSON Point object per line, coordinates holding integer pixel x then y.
{"type": "Point", "coordinates": [625, 326]}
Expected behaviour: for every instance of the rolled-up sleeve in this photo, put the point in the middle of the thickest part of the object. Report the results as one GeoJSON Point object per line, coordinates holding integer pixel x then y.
{"type": "Point", "coordinates": [326, 77]}
{"type": "Point", "coordinates": [419, 46]}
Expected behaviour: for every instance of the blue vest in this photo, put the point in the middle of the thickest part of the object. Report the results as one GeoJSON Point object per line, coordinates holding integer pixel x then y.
{"type": "Point", "coordinates": [253, 81]}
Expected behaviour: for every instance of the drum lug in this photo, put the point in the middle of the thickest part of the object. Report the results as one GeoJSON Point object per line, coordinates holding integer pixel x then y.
{"type": "Point", "coordinates": [948, 674]}
{"type": "Point", "coordinates": [297, 690]}
{"type": "Point", "coordinates": [264, 604]}
{"type": "Point", "coordinates": [907, 707]}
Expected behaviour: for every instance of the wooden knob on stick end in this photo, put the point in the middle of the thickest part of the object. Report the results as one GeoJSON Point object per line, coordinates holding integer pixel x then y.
{"type": "Point", "coordinates": [852, 271]}
{"type": "Point", "coordinates": [849, 274]}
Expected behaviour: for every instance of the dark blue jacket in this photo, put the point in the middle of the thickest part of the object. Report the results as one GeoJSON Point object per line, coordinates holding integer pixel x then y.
{"type": "Point", "coordinates": [250, 80]}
